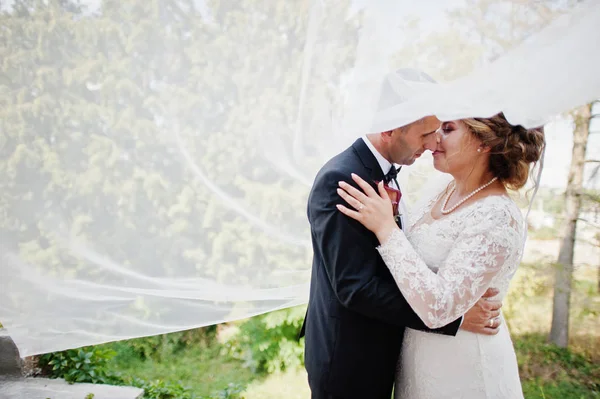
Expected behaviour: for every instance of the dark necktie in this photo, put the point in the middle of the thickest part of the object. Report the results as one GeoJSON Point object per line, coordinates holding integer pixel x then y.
{"type": "Point", "coordinates": [390, 176]}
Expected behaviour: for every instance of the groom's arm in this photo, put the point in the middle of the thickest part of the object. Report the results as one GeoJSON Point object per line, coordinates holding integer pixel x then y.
{"type": "Point", "coordinates": [351, 260]}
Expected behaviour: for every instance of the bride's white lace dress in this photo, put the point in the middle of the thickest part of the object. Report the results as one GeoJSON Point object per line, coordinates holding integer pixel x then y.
{"type": "Point", "coordinates": [442, 269]}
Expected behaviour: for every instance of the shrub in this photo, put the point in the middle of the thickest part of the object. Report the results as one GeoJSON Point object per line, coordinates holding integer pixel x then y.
{"type": "Point", "coordinates": [78, 365]}
{"type": "Point", "coordinates": [89, 364]}
{"type": "Point", "coordinates": [269, 343]}
{"type": "Point", "coordinates": [159, 389]}
{"type": "Point", "coordinates": [233, 391]}
{"type": "Point", "coordinates": [546, 366]}
{"type": "Point", "coordinates": [161, 346]}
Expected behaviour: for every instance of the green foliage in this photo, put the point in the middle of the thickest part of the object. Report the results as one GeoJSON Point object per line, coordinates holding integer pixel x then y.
{"type": "Point", "coordinates": [269, 343]}
{"type": "Point", "coordinates": [87, 364]}
{"type": "Point", "coordinates": [232, 391]}
{"type": "Point", "coordinates": [162, 346]}
{"type": "Point", "coordinates": [538, 390]}
{"type": "Point", "coordinates": [89, 396]}
{"type": "Point", "coordinates": [100, 102]}
{"type": "Point", "coordinates": [160, 389]}
{"type": "Point", "coordinates": [555, 372]}
{"type": "Point", "coordinates": [207, 370]}
{"type": "Point", "coordinates": [90, 364]}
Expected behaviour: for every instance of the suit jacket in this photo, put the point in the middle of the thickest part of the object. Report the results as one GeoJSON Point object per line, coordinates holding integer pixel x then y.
{"type": "Point", "coordinates": [356, 314]}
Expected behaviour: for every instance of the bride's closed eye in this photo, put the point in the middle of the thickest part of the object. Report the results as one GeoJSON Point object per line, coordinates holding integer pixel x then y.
{"type": "Point", "coordinates": [447, 127]}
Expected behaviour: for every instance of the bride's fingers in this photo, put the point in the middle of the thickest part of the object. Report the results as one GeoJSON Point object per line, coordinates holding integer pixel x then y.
{"type": "Point", "coordinates": [382, 192]}
{"type": "Point", "coordinates": [359, 195]}
{"type": "Point", "coordinates": [356, 204]}
{"type": "Point", "coordinates": [364, 185]}
{"type": "Point", "coordinates": [348, 212]}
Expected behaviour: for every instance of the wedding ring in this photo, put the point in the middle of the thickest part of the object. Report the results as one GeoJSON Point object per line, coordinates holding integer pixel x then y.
{"type": "Point", "coordinates": [361, 207]}
{"type": "Point", "coordinates": [491, 323]}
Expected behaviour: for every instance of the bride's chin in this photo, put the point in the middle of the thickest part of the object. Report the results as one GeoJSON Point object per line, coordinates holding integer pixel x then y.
{"type": "Point", "coordinates": [439, 166]}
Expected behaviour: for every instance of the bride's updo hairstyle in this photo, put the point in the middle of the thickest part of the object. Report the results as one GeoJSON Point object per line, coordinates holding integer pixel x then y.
{"type": "Point", "coordinates": [512, 148]}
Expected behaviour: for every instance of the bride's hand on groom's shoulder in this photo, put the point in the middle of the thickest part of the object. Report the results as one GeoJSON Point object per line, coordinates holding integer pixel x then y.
{"type": "Point", "coordinates": [484, 316]}
{"type": "Point", "coordinates": [371, 208]}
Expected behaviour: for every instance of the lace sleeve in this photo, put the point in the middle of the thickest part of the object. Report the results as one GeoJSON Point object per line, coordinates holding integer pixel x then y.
{"type": "Point", "coordinates": [489, 244]}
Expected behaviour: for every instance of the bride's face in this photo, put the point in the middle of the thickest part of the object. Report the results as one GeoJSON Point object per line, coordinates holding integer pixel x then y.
{"type": "Point", "coordinates": [456, 150]}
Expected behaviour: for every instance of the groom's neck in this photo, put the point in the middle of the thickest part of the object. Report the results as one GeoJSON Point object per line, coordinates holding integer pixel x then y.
{"type": "Point", "coordinates": [375, 139]}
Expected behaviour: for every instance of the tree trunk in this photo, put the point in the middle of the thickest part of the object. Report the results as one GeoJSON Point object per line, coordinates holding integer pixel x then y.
{"type": "Point", "coordinates": [559, 334]}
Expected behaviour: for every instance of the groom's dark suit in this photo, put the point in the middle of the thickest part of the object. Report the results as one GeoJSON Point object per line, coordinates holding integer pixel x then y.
{"type": "Point", "coordinates": [356, 314]}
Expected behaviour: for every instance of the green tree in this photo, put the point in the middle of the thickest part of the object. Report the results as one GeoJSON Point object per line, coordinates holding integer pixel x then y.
{"type": "Point", "coordinates": [559, 333]}
{"type": "Point", "coordinates": [130, 129]}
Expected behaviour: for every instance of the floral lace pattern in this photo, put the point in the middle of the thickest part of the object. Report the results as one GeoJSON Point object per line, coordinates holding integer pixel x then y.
{"type": "Point", "coordinates": [442, 268]}
{"type": "Point", "coordinates": [481, 247]}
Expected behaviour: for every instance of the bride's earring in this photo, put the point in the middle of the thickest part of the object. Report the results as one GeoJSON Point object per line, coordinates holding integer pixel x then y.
{"type": "Point", "coordinates": [479, 150]}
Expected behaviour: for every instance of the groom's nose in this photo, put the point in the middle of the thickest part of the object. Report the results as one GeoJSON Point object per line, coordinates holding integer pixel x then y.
{"type": "Point", "coordinates": [432, 141]}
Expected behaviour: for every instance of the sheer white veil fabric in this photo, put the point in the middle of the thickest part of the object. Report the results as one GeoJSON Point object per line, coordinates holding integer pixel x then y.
{"type": "Point", "coordinates": [156, 157]}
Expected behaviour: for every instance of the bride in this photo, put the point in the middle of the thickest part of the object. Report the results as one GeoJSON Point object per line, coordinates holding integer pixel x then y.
{"type": "Point", "coordinates": [457, 244]}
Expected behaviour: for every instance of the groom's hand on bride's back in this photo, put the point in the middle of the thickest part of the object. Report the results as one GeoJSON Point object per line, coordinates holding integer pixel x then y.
{"type": "Point", "coordinates": [483, 317]}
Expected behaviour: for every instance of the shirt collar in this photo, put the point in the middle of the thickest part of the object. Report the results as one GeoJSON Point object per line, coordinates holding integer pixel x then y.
{"type": "Point", "coordinates": [384, 164]}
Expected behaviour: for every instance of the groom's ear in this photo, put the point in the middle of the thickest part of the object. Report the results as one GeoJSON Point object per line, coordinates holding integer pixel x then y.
{"type": "Point", "coordinates": [387, 135]}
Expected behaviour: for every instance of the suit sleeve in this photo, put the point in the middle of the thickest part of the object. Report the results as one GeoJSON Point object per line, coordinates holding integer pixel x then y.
{"type": "Point", "coordinates": [351, 261]}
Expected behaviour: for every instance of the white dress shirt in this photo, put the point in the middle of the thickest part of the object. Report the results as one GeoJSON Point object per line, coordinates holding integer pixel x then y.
{"type": "Point", "coordinates": [385, 167]}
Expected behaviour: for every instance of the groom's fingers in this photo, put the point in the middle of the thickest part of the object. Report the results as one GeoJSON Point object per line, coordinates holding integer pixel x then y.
{"type": "Point", "coordinates": [492, 305]}
{"type": "Point", "coordinates": [496, 322]}
{"type": "Point", "coordinates": [491, 292]}
{"type": "Point", "coordinates": [491, 331]}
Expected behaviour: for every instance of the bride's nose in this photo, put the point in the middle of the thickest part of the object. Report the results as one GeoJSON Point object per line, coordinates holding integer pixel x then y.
{"type": "Point", "coordinates": [438, 135]}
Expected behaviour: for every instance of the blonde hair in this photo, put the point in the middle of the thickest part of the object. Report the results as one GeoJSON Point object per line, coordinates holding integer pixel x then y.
{"type": "Point", "coordinates": [512, 148]}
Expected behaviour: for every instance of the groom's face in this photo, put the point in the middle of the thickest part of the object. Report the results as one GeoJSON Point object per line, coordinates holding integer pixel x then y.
{"type": "Point", "coordinates": [409, 142]}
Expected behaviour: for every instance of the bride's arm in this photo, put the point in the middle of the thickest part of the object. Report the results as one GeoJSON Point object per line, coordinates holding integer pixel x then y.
{"type": "Point", "coordinates": [478, 254]}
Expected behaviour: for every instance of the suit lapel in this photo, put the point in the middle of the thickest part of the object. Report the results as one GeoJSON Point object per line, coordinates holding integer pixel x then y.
{"type": "Point", "coordinates": [368, 159]}
{"type": "Point", "coordinates": [370, 162]}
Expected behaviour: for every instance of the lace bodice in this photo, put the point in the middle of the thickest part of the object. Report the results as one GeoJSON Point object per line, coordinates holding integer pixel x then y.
{"type": "Point", "coordinates": [444, 266]}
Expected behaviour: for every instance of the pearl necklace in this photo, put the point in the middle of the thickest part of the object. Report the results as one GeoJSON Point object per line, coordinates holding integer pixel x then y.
{"type": "Point", "coordinates": [462, 201]}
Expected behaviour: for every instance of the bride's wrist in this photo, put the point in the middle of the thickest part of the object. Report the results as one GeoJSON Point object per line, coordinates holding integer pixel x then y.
{"type": "Point", "coordinates": [384, 232]}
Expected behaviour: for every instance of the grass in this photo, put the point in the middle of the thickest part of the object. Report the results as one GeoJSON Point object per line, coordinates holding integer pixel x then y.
{"type": "Point", "coordinates": [290, 385]}
{"type": "Point", "coordinates": [528, 306]}
{"type": "Point", "coordinates": [551, 372]}
{"type": "Point", "coordinates": [547, 372]}
{"type": "Point", "coordinates": [203, 371]}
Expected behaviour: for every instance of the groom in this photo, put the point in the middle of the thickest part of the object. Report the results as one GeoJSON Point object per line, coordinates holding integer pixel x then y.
{"type": "Point", "coordinates": [356, 314]}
